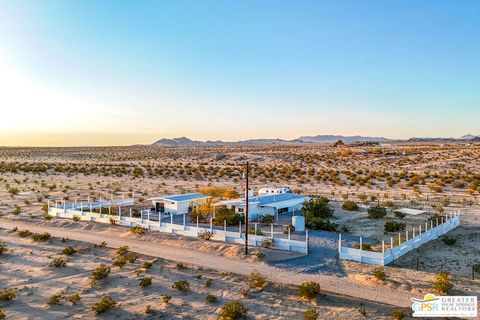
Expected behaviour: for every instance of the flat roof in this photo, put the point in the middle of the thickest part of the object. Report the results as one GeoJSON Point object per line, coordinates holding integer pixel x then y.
{"type": "Point", "coordinates": [266, 200]}
{"type": "Point", "coordinates": [412, 212]}
{"type": "Point", "coordinates": [182, 197]}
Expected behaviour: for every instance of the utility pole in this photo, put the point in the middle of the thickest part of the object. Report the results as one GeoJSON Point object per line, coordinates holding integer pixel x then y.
{"type": "Point", "coordinates": [245, 175]}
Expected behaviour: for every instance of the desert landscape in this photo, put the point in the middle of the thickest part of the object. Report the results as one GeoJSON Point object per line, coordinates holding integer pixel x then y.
{"type": "Point", "coordinates": [435, 178]}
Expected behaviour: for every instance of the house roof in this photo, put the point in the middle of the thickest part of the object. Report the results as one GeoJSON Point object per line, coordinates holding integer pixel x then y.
{"type": "Point", "coordinates": [272, 200]}
{"type": "Point", "coordinates": [412, 212]}
{"type": "Point", "coordinates": [182, 197]}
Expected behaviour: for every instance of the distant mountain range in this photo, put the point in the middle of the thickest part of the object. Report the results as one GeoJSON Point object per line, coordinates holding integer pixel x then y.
{"type": "Point", "coordinates": [183, 141]}
{"type": "Point", "coordinates": [186, 142]}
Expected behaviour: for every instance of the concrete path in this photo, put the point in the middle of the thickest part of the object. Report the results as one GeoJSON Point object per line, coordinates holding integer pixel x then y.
{"type": "Point", "coordinates": [328, 283]}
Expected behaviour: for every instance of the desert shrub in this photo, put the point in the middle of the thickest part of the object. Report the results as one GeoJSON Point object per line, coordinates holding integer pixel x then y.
{"type": "Point", "coordinates": [233, 310]}
{"type": "Point", "coordinates": [344, 228]}
{"type": "Point", "coordinates": [181, 285]}
{"type": "Point", "coordinates": [267, 243]}
{"type": "Point", "coordinates": [310, 314]}
{"type": "Point", "coordinates": [166, 299]}
{"type": "Point", "coordinates": [3, 315]}
{"type": "Point", "coordinates": [379, 274]}
{"type": "Point", "coordinates": [137, 230]}
{"type": "Point", "coordinates": [208, 283]}
{"type": "Point", "coordinates": [362, 310]}
{"type": "Point", "coordinates": [112, 220]}
{"type": "Point", "coordinates": [101, 272]}
{"type": "Point", "coordinates": [318, 223]}
{"type": "Point", "coordinates": [398, 314]}
{"type": "Point", "coordinates": [205, 235]}
{"type": "Point", "coordinates": [309, 290]}
{"type": "Point", "coordinates": [40, 236]}
{"type": "Point", "coordinates": [210, 299]}
{"type": "Point", "coordinates": [449, 240]}
{"type": "Point", "coordinates": [145, 282]}
{"type": "Point", "coordinates": [8, 294]}
{"type": "Point", "coordinates": [267, 219]}
{"type": "Point", "coordinates": [317, 208]}
{"type": "Point", "coordinates": [180, 266]}
{"type": "Point", "coordinates": [69, 251]}
{"type": "Point", "coordinates": [3, 247]}
{"type": "Point", "coordinates": [102, 306]}
{"type": "Point", "coordinates": [350, 205]}
{"type": "Point", "coordinates": [399, 214]}
{"type": "Point", "coordinates": [258, 232]}
{"type": "Point", "coordinates": [476, 268]}
{"type": "Point", "coordinates": [16, 210]}
{"type": "Point", "coordinates": [76, 218]}
{"type": "Point", "coordinates": [257, 280]}
{"type": "Point", "coordinates": [54, 299]}
{"type": "Point", "coordinates": [290, 227]}
{"type": "Point", "coordinates": [259, 255]}
{"type": "Point", "coordinates": [442, 283]}
{"type": "Point", "coordinates": [74, 298]}
{"type": "Point", "coordinates": [48, 218]}
{"type": "Point", "coordinates": [393, 226]}
{"type": "Point", "coordinates": [122, 250]}
{"type": "Point", "coordinates": [147, 265]}
{"type": "Point", "coordinates": [24, 233]}
{"type": "Point", "coordinates": [377, 212]}
{"type": "Point", "coordinates": [58, 263]}
{"type": "Point", "coordinates": [120, 261]}
{"type": "Point", "coordinates": [229, 215]}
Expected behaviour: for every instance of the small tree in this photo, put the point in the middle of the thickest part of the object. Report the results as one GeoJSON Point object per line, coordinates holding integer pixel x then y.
{"type": "Point", "coordinates": [377, 212]}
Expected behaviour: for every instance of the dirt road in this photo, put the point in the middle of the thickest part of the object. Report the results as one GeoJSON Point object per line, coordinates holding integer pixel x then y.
{"type": "Point", "coordinates": [329, 284]}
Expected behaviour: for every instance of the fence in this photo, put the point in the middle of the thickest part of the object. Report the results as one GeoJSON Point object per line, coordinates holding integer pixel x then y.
{"type": "Point", "coordinates": [385, 257]}
{"type": "Point", "coordinates": [84, 212]}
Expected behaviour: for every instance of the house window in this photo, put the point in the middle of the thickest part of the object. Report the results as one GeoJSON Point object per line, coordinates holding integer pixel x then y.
{"type": "Point", "coordinates": [240, 210]}
{"type": "Point", "coordinates": [282, 210]}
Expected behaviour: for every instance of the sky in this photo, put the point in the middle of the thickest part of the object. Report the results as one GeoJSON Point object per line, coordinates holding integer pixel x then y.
{"type": "Point", "coordinates": [126, 72]}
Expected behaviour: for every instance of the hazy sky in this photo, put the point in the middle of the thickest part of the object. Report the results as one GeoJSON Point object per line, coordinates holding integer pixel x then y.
{"type": "Point", "coordinates": [124, 72]}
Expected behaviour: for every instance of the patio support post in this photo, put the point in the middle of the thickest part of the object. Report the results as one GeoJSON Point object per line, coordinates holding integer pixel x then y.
{"type": "Point", "coordinates": [271, 230]}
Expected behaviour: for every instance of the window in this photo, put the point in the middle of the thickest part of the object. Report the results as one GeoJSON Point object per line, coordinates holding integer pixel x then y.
{"type": "Point", "coordinates": [240, 210]}
{"type": "Point", "coordinates": [282, 210]}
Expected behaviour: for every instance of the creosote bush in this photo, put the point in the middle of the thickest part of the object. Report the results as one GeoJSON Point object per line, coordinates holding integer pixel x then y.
{"type": "Point", "coordinates": [309, 290]}
{"type": "Point", "coordinates": [8, 294]}
{"type": "Point", "coordinates": [58, 263]}
{"type": "Point", "coordinates": [233, 311]}
{"type": "Point", "coordinates": [181, 285]}
{"type": "Point", "coordinates": [379, 273]}
{"type": "Point", "coordinates": [350, 205]}
{"type": "Point", "coordinates": [69, 251]}
{"type": "Point", "coordinates": [147, 265]}
{"type": "Point", "coordinates": [449, 240]}
{"type": "Point", "coordinates": [310, 314]}
{"type": "Point", "coordinates": [145, 282]}
{"type": "Point", "coordinates": [166, 298]}
{"type": "Point", "coordinates": [257, 280]}
{"type": "Point", "coordinates": [101, 272]}
{"type": "Point", "coordinates": [210, 299]}
{"type": "Point", "coordinates": [3, 247]}
{"type": "Point", "coordinates": [24, 233]}
{"type": "Point", "coordinates": [73, 298]}
{"type": "Point", "coordinates": [208, 283]}
{"type": "Point", "coordinates": [102, 306]}
{"type": "Point", "coordinates": [40, 236]}
{"type": "Point", "coordinates": [377, 212]}
{"type": "Point", "coordinates": [137, 230]}
{"type": "Point", "coordinates": [398, 314]}
{"type": "Point", "coordinates": [54, 299]}
{"type": "Point", "coordinates": [442, 283]}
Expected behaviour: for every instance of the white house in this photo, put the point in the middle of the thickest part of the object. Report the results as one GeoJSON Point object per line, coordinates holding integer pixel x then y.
{"type": "Point", "coordinates": [178, 204]}
{"type": "Point", "coordinates": [271, 204]}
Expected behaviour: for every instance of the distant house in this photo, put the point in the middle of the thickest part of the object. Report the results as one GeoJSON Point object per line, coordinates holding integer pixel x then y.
{"type": "Point", "coordinates": [270, 204]}
{"type": "Point", "coordinates": [264, 191]}
{"type": "Point", "coordinates": [178, 204]}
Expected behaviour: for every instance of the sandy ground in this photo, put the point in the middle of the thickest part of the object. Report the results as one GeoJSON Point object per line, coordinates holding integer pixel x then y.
{"type": "Point", "coordinates": [26, 268]}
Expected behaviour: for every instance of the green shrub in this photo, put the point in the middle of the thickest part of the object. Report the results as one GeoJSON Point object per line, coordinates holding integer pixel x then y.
{"type": "Point", "coordinates": [24, 233]}
{"type": "Point", "coordinates": [398, 314]}
{"type": "Point", "coordinates": [208, 283]}
{"type": "Point", "coordinates": [379, 273]}
{"type": "Point", "coordinates": [318, 223]}
{"type": "Point", "coordinates": [101, 272]}
{"type": "Point", "coordinates": [377, 212]}
{"type": "Point", "coordinates": [8, 294]}
{"type": "Point", "coordinates": [344, 228]}
{"type": "Point", "coordinates": [310, 314]}
{"type": "Point", "coordinates": [267, 219]}
{"type": "Point", "coordinates": [449, 240]}
{"type": "Point", "coordinates": [166, 299]}
{"type": "Point", "coordinates": [229, 215]}
{"type": "Point", "coordinates": [257, 280]}
{"type": "Point", "coordinates": [16, 211]}
{"type": "Point", "coordinates": [74, 298]}
{"type": "Point", "coordinates": [205, 235]}
{"type": "Point", "coordinates": [290, 227]}
{"type": "Point", "coordinates": [233, 310]}
{"type": "Point", "coordinates": [40, 236]}
{"type": "Point", "coordinates": [137, 230]}
{"type": "Point", "coordinates": [392, 226]}
{"type": "Point", "coordinates": [147, 265]}
{"type": "Point", "coordinates": [3, 315]}
{"type": "Point", "coordinates": [181, 285]}
{"type": "Point", "coordinates": [122, 250]}
{"type": "Point", "coordinates": [76, 218]}
{"type": "Point", "coordinates": [120, 261]}
{"type": "Point", "coordinates": [180, 266]}
{"type": "Point", "coordinates": [309, 290]}
{"type": "Point", "coordinates": [210, 299]}
{"type": "Point", "coordinates": [3, 247]}
{"type": "Point", "coordinates": [362, 310]}
{"type": "Point", "coordinates": [69, 251]}
{"type": "Point", "coordinates": [399, 214]}
{"type": "Point", "coordinates": [350, 205]}
{"type": "Point", "coordinates": [105, 304]}
{"type": "Point", "coordinates": [145, 282]}
{"type": "Point", "coordinates": [58, 263]}
{"type": "Point", "coordinates": [442, 283]}
{"type": "Point", "coordinates": [476, 268]}
{"type": "Point", "coordinates": [54, 299]}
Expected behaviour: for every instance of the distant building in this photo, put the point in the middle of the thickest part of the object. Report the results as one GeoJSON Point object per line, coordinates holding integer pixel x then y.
{"type": "Point", "coordinates": [264, 191]}
{"type": "Point", "coordinates": [269, 204]}
{"type": "Point", "coordinates": [178, 204]}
